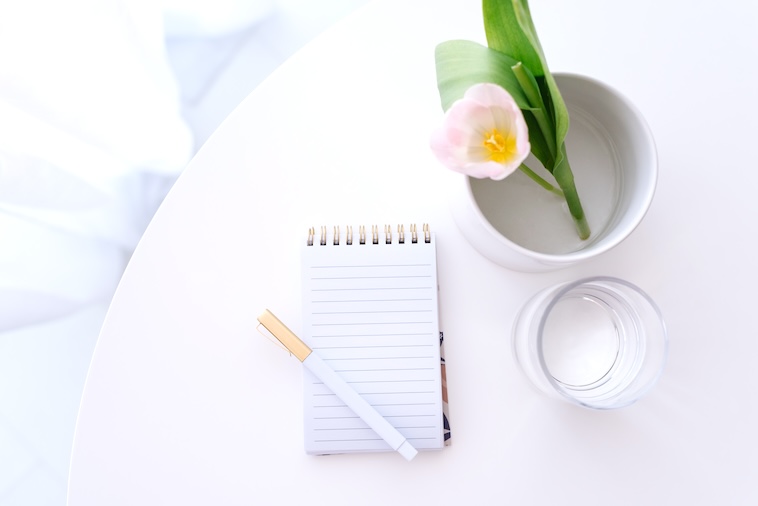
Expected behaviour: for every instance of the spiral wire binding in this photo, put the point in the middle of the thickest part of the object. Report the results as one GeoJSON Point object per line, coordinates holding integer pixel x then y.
{"type": "Point", "coordinates": [388, 234]}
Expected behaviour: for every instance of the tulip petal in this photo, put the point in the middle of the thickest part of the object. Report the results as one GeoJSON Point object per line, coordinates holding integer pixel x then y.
{"type": "Point", "coordinates": [490, 94]}
{"type": "Point", "coordinates": [483, 134]}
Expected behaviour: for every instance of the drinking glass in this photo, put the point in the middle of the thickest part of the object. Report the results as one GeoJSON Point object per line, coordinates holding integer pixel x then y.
{"type": "Point", "coordinates": [599, 342]}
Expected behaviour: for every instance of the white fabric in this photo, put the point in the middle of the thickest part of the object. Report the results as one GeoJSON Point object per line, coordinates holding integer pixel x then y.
{"type": "Point", "coordinates": [91, 138]}
{"type": "Point", "coordinates": [212, 18]}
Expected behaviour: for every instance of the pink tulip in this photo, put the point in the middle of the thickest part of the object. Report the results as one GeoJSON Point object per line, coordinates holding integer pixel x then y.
{"type": "Point", "coordinates": [483, 134]}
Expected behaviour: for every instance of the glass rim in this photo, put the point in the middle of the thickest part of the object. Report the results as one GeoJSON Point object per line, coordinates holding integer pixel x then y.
{"type": "Point", "coordinates": [557, 296]}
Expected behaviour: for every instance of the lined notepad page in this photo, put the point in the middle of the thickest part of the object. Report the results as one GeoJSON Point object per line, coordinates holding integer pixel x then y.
{"type": "Point", "coordinates": [370, 312]}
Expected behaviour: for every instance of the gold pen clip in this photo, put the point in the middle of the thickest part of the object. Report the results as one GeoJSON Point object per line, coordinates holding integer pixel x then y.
{"type": "Point", "coordinates": [285, 336]}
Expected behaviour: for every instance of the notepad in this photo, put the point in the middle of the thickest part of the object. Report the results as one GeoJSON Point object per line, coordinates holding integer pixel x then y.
{"type": "Point", "coordinates": [370, 311]}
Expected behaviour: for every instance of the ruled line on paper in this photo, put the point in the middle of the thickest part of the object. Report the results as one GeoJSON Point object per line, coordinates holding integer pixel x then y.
{"type": "Point", "coordinates": [364, 428]}
{"type": "Point", "coordinates": [367, 266]}
{"type": "Point", "coordinates": [372, 358]}
{"type": "Point", "coordinates": [379, 405]}
{"type": "Point", "coordinates": [358, 440]}
{"type": "Point", "coordinates": [370, 323]}
{"type": "Point", "coordinates": [387, 370]}
{"type": "Point", "coordinates": [404, 334]}
{"type": "Point", "coordinates": [383, 381]}
{"type": "Point", "coordinates": [317, 384]}
{"type": "Point", "coordinates": [324, 437]}
{"type": "Point", "coordinates": [356, 417]}
{"type": "Point", "coordinates": [374, 312]}
{"type": "Point", "coordinates": [373, 346]}
{"type": "Point", "coordinates": [372, 289]}
{"type": "Point", "coordinates": [335, 301]}
{"type": "Point", "coordinates": [370, 277]}
{"type": "Point", "coordinates": [379, 393]}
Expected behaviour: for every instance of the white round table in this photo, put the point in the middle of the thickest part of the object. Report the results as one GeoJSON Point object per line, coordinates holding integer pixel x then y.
{"type": "Point", "coordinates": [185, 403]}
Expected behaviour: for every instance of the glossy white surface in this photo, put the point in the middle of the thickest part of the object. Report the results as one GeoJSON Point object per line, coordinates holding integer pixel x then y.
{"type": "Point", "coordinates": [186, 403]}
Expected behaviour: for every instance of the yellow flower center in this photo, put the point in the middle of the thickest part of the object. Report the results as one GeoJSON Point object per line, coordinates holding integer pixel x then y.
{"type": "Point", "coordinates": [501, 148]}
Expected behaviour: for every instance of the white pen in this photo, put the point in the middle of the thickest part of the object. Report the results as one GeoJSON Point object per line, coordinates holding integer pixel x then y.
{"type": "Point", "coordinates": [337, 385]}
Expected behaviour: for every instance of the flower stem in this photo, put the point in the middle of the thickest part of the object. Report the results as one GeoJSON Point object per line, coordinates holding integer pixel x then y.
{"type": "Point", "coordinates": [565, 178]}
{"type": "Point", "coordinates": [540, 181]}
{"type": "Point", "coordinates": [562, 170]}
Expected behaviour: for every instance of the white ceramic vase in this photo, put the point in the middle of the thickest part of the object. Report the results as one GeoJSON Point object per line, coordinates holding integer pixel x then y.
{"type": "Point", "coordinates": [519, 225]}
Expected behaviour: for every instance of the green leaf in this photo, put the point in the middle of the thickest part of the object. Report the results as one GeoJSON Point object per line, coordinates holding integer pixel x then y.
{"type": "Point", "coordinates": [534, 95]}
{"type": "Point", "coordinates": [538, 146]}
{"type": "Point", "coordinates": [503, 21]}
{"type": "Point", "coordinates": [510, 30]}
{"type": "Point", "coordinates": [462, 64]}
